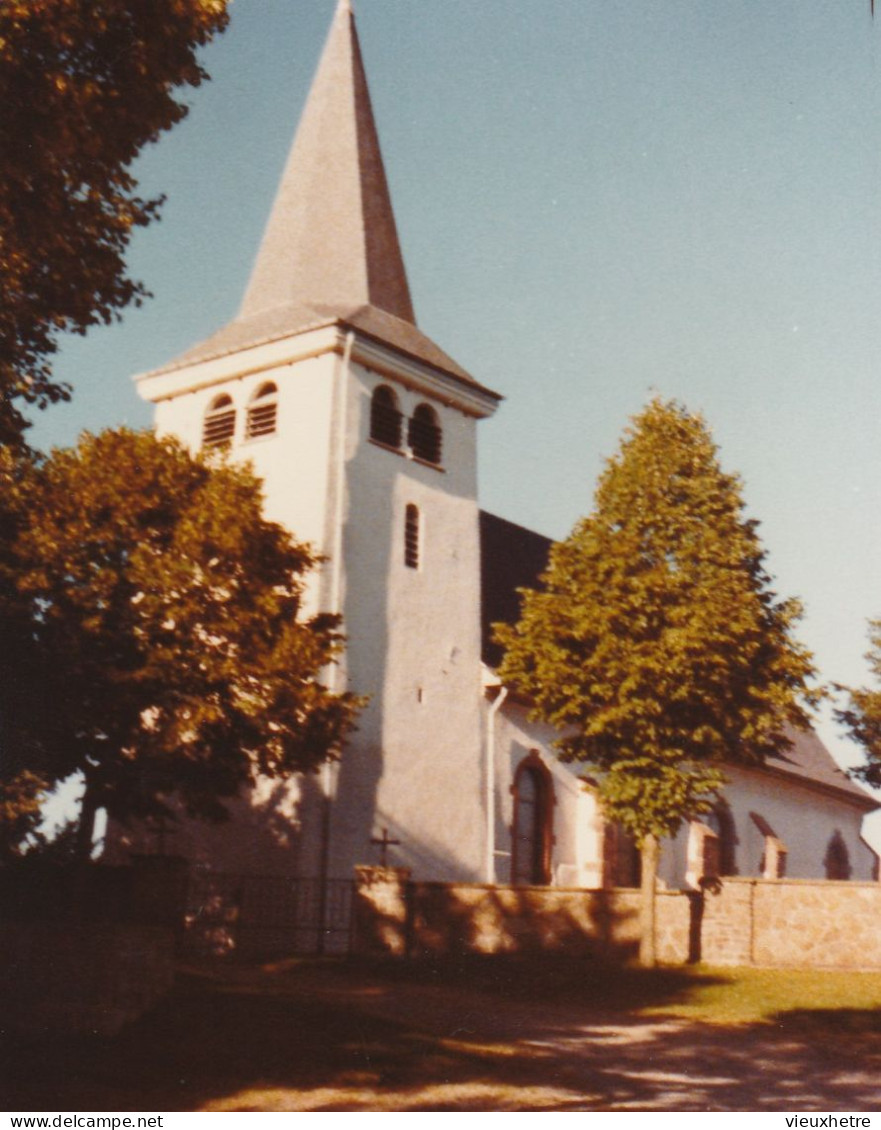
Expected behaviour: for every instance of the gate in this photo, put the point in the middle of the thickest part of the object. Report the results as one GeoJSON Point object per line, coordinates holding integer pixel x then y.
{"type": "Point", "coordinates": [266, 915]}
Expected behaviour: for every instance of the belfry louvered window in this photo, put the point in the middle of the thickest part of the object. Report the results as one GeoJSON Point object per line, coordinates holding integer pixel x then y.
{"type": "Point", "coordinates": [263, 412]}
{"type": "Point", "coordinates": [424, 434]}
{"type": "Point", "coordinates": [220, 423]}
{"type": "Point", "coordinates": [411, 536]}
{"type": "Point", "coordinates": [385, 419]}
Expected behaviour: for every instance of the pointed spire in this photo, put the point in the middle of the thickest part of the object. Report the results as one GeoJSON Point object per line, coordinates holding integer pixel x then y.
{"type": "Point", "coordinates": [330, 253]}
{"type": "Point", "coordinates": [331, 239]}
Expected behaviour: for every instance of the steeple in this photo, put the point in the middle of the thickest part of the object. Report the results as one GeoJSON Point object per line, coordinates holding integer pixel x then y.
{"type": "Point", "coordinates": [331, 237]}
{"type": "Point", "coordinates": [330, 253]}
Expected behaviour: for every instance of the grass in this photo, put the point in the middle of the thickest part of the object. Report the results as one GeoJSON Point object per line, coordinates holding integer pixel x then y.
{"type": "Point", "coordinates": [707, 994]}
{"type": "Point", "coordinates": [761, 996]}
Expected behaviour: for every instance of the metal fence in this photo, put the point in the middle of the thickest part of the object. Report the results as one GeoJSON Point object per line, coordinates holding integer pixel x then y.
{"type": "Point", "coordinates": [266, 915]}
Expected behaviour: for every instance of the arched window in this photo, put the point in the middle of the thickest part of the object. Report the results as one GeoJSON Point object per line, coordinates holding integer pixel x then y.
{"type": "Point", "coordinates": [220, 422]}
{"type": "Point", "coordinates": [533, 811]}
{"type": "Point", "coordinates": [837, 861]}
{"type": "Point", "coordinates": [411, 536]}
{"type": "Point", "coordinates": [720, 821]}
{"type": "Point", "coordinates": [385, 419]}
{"type": "Point", "coordinates": [262, 412]}
{"type": "Point", "coordinates": [424, 434]}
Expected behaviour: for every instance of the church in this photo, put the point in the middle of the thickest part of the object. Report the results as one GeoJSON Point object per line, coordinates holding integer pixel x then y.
{"type": "Point", "coordinates": [365, 435]}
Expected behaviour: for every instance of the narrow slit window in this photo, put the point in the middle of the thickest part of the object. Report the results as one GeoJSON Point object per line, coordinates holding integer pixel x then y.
{"type": "Point", "coordinates": [411, 536]}
{"type": "Point", "coordinates": [263, 412]}
{"type": "Point", "coordinates": [220, 423]}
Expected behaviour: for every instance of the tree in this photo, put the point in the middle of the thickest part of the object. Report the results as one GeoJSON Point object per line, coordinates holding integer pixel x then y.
{"type": "Point", "coordinates": [165, 650]}
{"type": "Point", "coordinates": [656, 646]}
{"type": "Point", "coordinates": [84, 85]}
{"type": "Point", "coordinates": [862, 716]}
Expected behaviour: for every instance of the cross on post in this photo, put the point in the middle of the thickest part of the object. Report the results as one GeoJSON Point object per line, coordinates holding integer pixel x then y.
{"type": "Point", "coordinates": [384, 842]}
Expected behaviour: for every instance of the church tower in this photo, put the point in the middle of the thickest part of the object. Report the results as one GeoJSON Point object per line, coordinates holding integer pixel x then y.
{"type": "Point", "coordinates": [364, 433]}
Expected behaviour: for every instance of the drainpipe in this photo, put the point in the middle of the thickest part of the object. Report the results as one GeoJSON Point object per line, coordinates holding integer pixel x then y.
{"type": "Point", "coordinates": [490, 785]}
{"type": "Point", "coordinates": [330, 770]}
{"type": "Point", "coordinates": [340, 498]}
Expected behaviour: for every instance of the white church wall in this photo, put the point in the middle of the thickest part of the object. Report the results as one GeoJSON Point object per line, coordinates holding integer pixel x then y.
{"type": "Point", "coordinates": [806, 820]}
{"type": "Point", "coordinates": [414, 765]}
{"type": "Point", "coordinates": [576, 851]}
{"type": "Point", "coordinates": [294, 462]}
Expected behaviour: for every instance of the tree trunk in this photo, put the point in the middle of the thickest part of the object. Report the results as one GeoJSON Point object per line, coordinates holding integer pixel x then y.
{"type": "Point", "coordinates": [85, 833]}
{"type": "Point", "coordinates": [649, 853]}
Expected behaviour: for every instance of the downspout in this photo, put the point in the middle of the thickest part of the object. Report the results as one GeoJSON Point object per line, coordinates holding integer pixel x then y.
{"type": "Point", "coordinates": [339, 500]}
{"type": "Point", "coordinates": [490, 785]}
{"type": "Point", "coordinates": [329, 770]}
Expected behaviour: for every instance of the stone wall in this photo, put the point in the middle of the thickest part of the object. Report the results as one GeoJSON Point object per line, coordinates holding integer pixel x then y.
{"type": "Point", "coordinates": [809, 923]}
{"type": "Point", "coordinates": [395, 916]}
{"type": "Point", "coordinates": [87, 977]}
{"type": "Point", "coordinates": [806, 923]}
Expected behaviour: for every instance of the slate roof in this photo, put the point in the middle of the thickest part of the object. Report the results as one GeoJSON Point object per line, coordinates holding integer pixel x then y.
{"type": "Point", "coordinates": [330, 253]}
{"type": "Point", "coordinates": [513, 557]}
{"type": "Point", "coordinates": [285, 321]}
{"type": "Point", "coordinates": [810, 761]}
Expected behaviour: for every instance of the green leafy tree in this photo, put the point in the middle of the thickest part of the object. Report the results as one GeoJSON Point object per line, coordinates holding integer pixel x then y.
{"type": "Point", "coordinates": [165, 650]}
{"type": "Point", "coordinates": [84, 85]}
{"type": "Point", "coordinates": [656, 645]}
{"type": "Point", "coordinates": [862, 716]}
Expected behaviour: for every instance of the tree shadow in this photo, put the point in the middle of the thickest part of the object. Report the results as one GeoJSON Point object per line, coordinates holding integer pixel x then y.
{"type": "Point", "coordinates": [597, 985]}
{"type": "Point", "coordinates": [459, 1034]}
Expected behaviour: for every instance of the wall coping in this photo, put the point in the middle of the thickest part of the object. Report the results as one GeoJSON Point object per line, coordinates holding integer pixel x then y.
{"type": "Point", "coordinates": [757, 880]}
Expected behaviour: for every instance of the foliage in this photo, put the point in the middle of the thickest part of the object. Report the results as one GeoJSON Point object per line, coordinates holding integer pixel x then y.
{"type": "Point", "coordinates": [84, 86]}
{"type": "Point", "coordinates": [862, 716]}
{"type": "Point", "coordinates": [656, 646]}
{"type": "Point", "coordinates": [21, 798]}
{"type": "Point", "coordinates": [165, 649]}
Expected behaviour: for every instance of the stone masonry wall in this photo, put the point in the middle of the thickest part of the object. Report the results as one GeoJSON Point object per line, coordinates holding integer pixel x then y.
{"type": "Point", "coordinates": [395, 916]}
{"type": "Point", "coordinates": [806, 923]}
{"type": "Point", "coordinates": [800, 922]}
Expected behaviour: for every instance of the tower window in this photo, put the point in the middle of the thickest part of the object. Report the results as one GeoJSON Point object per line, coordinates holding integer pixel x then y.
{"type": "Point", "coordinates": [220, 423]}
{"type": "Point", "coordinates": [385, 419]}
{"type": "Point", "coordinates": [262, 412]}
{"type": "Point", "coordinates": [424, 434]}
{"type": "Point", "coordinates": [411, 536]}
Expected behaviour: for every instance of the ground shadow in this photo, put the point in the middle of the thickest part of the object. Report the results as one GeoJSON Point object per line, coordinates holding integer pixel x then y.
{"type": "Point", "coordinates": [468, 1034]}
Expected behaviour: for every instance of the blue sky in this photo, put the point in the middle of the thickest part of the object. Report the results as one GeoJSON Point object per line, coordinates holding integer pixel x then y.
{"type": "Point", "coordinates": [598, 200]}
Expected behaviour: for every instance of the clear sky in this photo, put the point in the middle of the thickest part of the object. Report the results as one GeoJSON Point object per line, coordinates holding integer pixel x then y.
{"type": "Point", "coordinates": [597, 200]}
